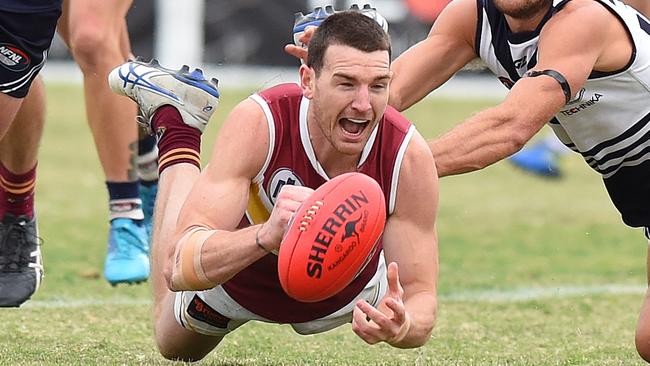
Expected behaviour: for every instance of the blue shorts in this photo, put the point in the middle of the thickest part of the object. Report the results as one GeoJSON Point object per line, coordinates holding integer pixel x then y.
{"type": "Point", "coordinates": [25, 39]}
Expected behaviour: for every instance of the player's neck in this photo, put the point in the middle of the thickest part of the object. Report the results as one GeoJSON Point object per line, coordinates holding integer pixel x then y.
{"type": "Point", "coordinates": [333, 161]}
{"type": "Point", "coordinates": [527, 24]}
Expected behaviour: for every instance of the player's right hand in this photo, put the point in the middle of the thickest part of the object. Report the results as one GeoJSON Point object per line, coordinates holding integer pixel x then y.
{"type": "Point", "coordinates": [299, 48]}
{"type": "Point", "coordinates": [289, 200]}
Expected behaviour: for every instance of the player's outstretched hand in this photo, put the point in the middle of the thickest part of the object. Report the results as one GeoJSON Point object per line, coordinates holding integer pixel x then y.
{"type": "Point", "coordinates": [299, 50]}
{"type": "Point", "coordinates": [389, 322]}
{"type": "Point", "coordinates": [289, 200]}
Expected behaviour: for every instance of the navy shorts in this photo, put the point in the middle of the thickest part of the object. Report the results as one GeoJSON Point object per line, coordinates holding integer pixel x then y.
{"type": "Point", "coordinates": [25, 39]}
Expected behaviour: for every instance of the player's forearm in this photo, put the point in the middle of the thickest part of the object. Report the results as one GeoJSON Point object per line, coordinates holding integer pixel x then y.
{"type": "Point", "coordinates": [206, 258]}
{"type": "Point", "coordinates": [481, 141]}
{"type": "Point", "coordinates": [229, 252]}
{"type": "Point", "coordinates": [421, 309]}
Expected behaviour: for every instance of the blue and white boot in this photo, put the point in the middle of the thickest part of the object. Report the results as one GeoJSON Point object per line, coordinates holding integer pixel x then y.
{"type": "Point", "coordinates": [127, 260]}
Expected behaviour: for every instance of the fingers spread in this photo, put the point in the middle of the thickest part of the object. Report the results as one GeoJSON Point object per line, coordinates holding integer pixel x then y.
{"type": "Point", "coordinates": [397, 307]}
{"type": "Point", "coordinates": [392, 276]}
{"type": "Point", "coordinates": [362, 326]}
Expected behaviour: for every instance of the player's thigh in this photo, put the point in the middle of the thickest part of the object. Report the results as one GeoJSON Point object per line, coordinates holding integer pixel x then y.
{"type": "Point", "coordinates": [24, 41]}
{"type": "Point", "coordinates": [9, 107]}
{"type": "Point", "coordinates": [175, 341]}
{"type": "Point", "coordinates": [212, 312]}
{"type": "Point", "coordinates": [642, 338]}
{"type": "Point", "coordinates": [96, 17]}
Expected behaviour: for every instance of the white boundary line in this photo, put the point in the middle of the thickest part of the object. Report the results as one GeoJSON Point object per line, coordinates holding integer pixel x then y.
{"type": "Point", "coordinates": [486, 296]}
{"type": "Point", "coordinates": [82, 303]}
{"type": "Point", "coordinates": [539, 293]}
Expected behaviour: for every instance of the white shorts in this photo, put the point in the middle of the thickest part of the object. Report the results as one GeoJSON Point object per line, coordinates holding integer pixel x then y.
{"type": "Point", "coordinates": [222, 314]}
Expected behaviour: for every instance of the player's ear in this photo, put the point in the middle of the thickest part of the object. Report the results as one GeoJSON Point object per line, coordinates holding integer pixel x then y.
{"type": "Point", "coordinates": [307, 80]}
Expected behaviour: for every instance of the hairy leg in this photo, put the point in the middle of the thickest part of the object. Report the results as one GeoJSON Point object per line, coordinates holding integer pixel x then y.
{"type": "Point", "coordinates": [643, 325]}
{"type": "Point", "coordinates": [95, 31]}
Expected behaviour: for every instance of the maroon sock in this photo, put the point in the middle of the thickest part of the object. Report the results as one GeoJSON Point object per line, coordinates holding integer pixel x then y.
{"type": "Point", "coordinates": [177, 142]}
{"type": "Point", "coordinates": [17, 195]}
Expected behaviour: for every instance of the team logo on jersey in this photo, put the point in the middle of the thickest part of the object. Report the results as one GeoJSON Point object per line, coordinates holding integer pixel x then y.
{"type": "Point", "coordinates": [279, 179]}
{"type": "Point", "coordinates": [579, 96]}
{"type": "Point", "coordinates": [519, 63]}
{"type": "Point", "coordinates": [584, 103]}
{"type": "Point", "coordinates": [13, 58]}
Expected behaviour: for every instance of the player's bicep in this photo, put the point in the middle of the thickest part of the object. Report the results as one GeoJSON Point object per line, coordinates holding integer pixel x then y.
{"type": "Point", "coordinates": [410, 237]}
{"type": "Point", "coordinates": [219, 198]}
{"type": "Point", "coordinates": [574, 51]}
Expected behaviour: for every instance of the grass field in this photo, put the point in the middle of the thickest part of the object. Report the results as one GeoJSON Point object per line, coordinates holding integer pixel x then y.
{"type": "Point", "coordinates": [533, 272]}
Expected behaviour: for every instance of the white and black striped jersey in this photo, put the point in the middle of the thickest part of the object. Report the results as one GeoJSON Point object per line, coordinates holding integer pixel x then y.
{"type": "Point", "coordinates": [608, 120]}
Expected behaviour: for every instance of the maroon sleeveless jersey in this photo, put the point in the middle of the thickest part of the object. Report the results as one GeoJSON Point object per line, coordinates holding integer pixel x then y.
{"type": "Point", "coordinates": [291, 160]}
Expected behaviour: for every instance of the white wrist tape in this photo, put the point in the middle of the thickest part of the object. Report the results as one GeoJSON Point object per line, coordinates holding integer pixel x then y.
{"type": "Point", "coordinates": [187, 273]}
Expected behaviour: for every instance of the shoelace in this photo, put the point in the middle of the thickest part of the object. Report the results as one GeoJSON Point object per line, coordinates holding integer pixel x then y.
{"type": "Point", "coordinates": [15, 252]}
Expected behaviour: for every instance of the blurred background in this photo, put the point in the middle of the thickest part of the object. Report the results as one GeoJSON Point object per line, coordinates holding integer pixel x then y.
{"type": "Point", "coordinates": [532, 271]}
{"type": "Point", "coordinates": [241, 42]}
{"type": "Point", "coordinates": [247, 32]}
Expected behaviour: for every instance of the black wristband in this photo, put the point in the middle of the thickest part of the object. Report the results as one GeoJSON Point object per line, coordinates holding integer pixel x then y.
{"type": "Point", "coordinates": [257, 241]}
{"type": "Point", "coordinates": [566, 88]}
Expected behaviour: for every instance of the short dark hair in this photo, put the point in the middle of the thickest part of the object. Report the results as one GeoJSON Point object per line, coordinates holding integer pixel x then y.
{"type": "Point", "coordinates": [348, 28]}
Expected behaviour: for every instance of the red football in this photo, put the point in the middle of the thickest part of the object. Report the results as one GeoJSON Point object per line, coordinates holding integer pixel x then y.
{"type": "Point", "coordinates": [331, 238]}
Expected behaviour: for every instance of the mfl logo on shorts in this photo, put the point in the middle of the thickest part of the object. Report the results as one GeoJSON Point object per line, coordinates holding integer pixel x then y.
{"type": "Point", "coordinates": [13, 57]}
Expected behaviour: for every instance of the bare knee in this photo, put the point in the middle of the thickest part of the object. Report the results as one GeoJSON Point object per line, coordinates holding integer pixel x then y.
{"type": "Point", "coordinates": [179, 344]}
{"type": "Point", "coordinates": [174, 354]}
{"type": "Point", "coordinates": [94, 48]}
{"type": "Point", "coordinates": [172, 346]}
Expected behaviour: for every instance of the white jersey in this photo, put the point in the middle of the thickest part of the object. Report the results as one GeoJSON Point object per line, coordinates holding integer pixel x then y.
{"type": "Point", "coordinates": [607, 121]}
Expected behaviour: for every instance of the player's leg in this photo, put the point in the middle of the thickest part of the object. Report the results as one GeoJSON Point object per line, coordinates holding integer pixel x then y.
{"type": "Point", "coordinates": [96, 34]}
{"type": "Point", "coordinates": [24, 41]}
{"type": "Point", "coordinates": [179, 167]}
{"type": "Point", "coordinates": [642, 338]}
{"type": "Point", "coordinates": [9, 107]}
{"type": "Point", "coordinates": [147, 166]}
{"type": "Point", "coordinates": [21, 276]}
{"type": "Point", "coordinates": [174, 341]}
{"type": "Point", "coordinates": [147, 158]}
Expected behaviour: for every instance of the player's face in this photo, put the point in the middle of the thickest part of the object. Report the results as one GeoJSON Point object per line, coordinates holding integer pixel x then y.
{"type": "Point", "coordinates": [350, 96]}
{"type": "Point", "coordinates": [521, 9]}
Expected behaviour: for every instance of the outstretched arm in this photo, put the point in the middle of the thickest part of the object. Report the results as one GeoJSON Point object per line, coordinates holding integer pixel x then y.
{"type": "Point", "coordinates": [599, 43]}
{"type": "Point", "coordinates": [406, 315]}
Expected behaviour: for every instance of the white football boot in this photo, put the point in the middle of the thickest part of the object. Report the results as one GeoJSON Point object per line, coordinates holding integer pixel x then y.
{"type": "Point", "coordinates": [315, 18]}
{"type": "Point", "coordinates": [153, 86]}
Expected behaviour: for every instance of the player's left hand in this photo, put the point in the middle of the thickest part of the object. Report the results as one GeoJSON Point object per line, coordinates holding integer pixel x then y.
{"type": "Point", "coordinates": [388, 322]}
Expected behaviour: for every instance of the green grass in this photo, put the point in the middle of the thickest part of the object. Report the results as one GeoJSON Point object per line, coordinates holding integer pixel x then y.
{"type": "Point", "coordinates": [501, 232]}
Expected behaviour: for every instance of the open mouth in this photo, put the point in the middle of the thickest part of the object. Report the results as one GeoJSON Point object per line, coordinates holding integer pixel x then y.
{"type": "Point", "coordinates": [353, 126]}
